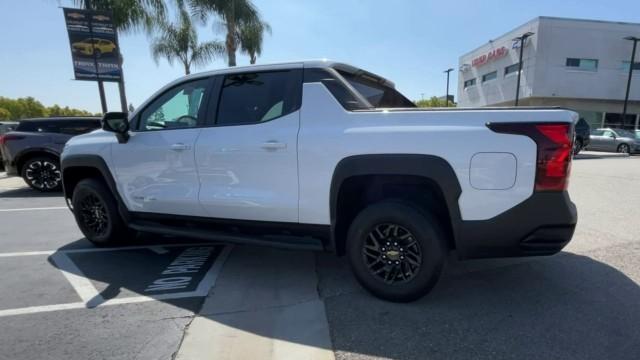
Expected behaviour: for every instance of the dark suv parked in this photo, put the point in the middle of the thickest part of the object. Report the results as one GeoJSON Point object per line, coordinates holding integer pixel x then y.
{"type": "Point", "coordinates": [33, 149]}
{"type": "Point", "coordinates": [582, 136]}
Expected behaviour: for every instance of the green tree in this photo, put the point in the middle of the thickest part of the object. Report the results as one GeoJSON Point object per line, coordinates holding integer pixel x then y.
{"type": "Point", "coordinates": [5, 114]}
{"type": "Point", "coordinates": [180, 42]}
{"type": "Point", "coordinates": [251, 36]}
{"type": "Point", "coordinates": [29, 107]}
{"type": "Point", "coordinates": [434, 102]}
{"type": "Point", "coordinates": [234, 15]}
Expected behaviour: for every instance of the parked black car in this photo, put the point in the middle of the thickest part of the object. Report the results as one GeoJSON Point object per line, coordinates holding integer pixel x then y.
{"type": "Point", "coordinates": [583, 131]}
{"type": "Point", "coordinates": [33, 149]}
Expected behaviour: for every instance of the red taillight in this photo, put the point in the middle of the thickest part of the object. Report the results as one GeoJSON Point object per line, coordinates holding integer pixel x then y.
{"type": "Point", "coordinates": [8, 136]}
{"type": "Point", "coordinates": [555, 142]}
{"type": "Point", "coordinates": [554, 157]}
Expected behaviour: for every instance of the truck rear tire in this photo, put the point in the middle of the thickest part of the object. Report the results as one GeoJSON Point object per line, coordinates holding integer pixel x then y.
{"type": "Point", "coordinates": [96, 213]}
{"type": "Point", "coordinates": [396, 250]}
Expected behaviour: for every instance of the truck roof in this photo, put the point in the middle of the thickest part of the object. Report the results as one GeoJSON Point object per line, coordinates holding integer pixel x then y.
{"type": "Point", "coordinates": [317, 63]}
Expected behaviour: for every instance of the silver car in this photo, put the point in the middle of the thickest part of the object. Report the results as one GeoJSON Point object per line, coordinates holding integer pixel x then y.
{"type": "Point", "coordinates": [614, 140]}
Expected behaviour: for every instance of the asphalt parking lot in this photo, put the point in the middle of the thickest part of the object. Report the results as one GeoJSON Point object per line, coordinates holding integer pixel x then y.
{"type": "Point", "coordinates": [163, 298]}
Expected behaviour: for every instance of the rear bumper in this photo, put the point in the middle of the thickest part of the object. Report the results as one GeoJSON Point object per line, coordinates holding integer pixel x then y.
{"type": "Point", "coordinates": [541, 225]}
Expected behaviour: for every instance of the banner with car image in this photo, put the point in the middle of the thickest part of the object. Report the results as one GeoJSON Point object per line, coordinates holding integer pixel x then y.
{"type": "Point", "coordinates": [94, 45]}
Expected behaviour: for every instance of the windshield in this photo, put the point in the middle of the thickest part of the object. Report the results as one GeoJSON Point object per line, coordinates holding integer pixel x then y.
{"type": "Point", "coordinates": [625, 133]}
{"type": "Point", "coordinates": [376, 92]}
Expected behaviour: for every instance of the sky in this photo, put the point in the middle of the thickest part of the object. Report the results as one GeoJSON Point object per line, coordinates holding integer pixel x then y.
{"type": "Point", "coordinates": [410, 42]}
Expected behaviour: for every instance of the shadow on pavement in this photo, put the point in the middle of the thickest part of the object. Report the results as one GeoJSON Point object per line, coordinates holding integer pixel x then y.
{"type": "Point", "coordinates": [135, 268]}
{"type": "Point", "coordinates": [26, 192]}
{"type": "Point", "coordinates": [561, 307]}
{"type": "Point", "coordinates": [564, 307]}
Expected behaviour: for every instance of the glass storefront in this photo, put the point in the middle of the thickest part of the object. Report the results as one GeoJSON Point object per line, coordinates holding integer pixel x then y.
{"type": "Point", "coordinates": [615, 120]}
{"type": "Point", "coordinates": [593, 118]}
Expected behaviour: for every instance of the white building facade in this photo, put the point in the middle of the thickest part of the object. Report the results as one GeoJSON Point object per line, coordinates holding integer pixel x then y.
{"type": "Point", "coordinates": [582, 65]}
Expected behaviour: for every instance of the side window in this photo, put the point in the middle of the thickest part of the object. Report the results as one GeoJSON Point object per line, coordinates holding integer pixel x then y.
{"type": "Point", "coordinates": [249, 98]}
{"type": "Point", "coordinates": [51, 126]}
{"type": "Point", "coordinates": [378, 94]}
{"type": "Point", "coordinates": [339, 91]}
{"type": "Point", "coordinates": [177, 108]}
{"type": "Point", "coordinates": [77, 127]}
{"type": "Point", "coordinates": [608, 133]}
{"type": "Point", "coordinates": [597, 132]}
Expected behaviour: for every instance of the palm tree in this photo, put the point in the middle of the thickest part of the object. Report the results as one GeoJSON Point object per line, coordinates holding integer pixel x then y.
{"type": "Point", "coordinates": [180, 42]}
{"type": "Point", "coordinates": [129, 15]}
{"type": "Point", "coordinates": [251, 39]}
{"type": "Point", "coordinates": [234, 15]}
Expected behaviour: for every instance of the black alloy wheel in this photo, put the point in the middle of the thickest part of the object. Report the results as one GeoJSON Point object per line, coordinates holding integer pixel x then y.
{"type": "Point", "coordinates": [577, 146]}
{"type": "Point", "coordinates": [96, 212]}
{"type": "Point", "coordinates": [93, 213]}
{"type": "Point", "coordinates": [391, 253]}
{"type": "Point", "coordinates": [396, 250]}
{"type": "Point", "coordinates": [42, 174]}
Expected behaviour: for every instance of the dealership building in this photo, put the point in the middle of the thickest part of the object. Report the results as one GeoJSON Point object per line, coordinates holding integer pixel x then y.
{"type": "Point", "coordinates": [582, 65]}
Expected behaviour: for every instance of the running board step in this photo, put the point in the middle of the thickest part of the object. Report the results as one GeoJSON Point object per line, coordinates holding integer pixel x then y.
{"type": "Point", "coordinates": [277, 241]}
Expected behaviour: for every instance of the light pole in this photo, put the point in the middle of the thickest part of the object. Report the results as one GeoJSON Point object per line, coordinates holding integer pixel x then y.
{"type": "Point", "coordinates": [522, 38]}
{"type": "Point", "coordinates": [446, 97]}
{"type": "Point", "coordinates": [631, 64]}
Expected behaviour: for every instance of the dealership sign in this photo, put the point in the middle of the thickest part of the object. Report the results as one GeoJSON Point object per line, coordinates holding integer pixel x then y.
{"type": "Point", "coordinates": [490, 56]}
{"type": "Point", "coordinates": [94, 45]}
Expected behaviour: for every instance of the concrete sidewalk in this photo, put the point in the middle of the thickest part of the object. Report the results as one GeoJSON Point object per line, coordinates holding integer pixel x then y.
{"type": "Point", "coordinates": [265, 305]}
{"type": "Point", "coordinates": [11, 182]}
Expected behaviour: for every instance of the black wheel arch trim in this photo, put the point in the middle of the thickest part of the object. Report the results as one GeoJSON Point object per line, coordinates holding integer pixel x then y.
{"type": "Point", "coordinates": [18, 160]}
{"type": "Point", "coordinates": [431, 167]}
{"type": "Point", "coordinates": [98, 163]}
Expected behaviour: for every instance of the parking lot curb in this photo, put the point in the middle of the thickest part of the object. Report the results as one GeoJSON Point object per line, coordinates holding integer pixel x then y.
{"type": "Point", "coordinates": [11, 183]}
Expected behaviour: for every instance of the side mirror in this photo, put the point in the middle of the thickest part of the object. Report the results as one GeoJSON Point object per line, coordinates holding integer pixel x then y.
{"type": "Point", "coordinates": [118, 123]}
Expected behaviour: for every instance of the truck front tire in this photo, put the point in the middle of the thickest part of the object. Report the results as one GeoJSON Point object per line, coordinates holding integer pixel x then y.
{"type": "Point", "coordinates": [96, 213]}
{"type": "Point", "coordinates": [396, 250]}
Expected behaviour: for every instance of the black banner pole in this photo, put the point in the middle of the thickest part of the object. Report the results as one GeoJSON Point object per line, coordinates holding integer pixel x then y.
{"type": "Point", "coordinates": [123, 95]}
{"type": "Point", "coordinates": [103, 99]}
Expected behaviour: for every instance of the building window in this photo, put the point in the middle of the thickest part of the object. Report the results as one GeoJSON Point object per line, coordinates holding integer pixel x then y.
{"type": "Point", "coordinates": [615, 120]}
{"type": "Point", "coordinates": [595, 119]}
{"type": "Point", "coordinates": [490, 76]}
{"type": "Point", "coordinates": [470, 82]}
{"type": "Point", "coordinates": [582, 64]}
{"type": "Point", "coordinates": [511, 69]}
{"type": "Point", "coordinates": [625, 65]}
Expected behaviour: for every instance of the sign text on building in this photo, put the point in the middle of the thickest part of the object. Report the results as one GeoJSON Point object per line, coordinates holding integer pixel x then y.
{"type": "Point", "coordinates": [490, 56]}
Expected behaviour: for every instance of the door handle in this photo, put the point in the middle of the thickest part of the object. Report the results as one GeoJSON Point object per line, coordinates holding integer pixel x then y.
{"type": "Point", "coordinates": [273, 145]}
{"type": "Point", "coordinates": [180, 147]}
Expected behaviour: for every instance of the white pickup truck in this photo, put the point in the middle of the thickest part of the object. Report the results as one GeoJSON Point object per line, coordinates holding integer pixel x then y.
{"type": "Point", "coordinates": [323, 155]}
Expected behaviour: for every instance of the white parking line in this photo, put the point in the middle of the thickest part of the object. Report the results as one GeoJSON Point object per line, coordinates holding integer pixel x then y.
{"type": "Point", "coordinates": [82, 284]}
{"type": "Point", "coordinates": [77, 279]}
{"type": "Point", "coordinates": [36, 209]}
{"type": "Point", "coordinates": [26, 253]}
{"type": "Point", "coordinates": [94, 249]}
